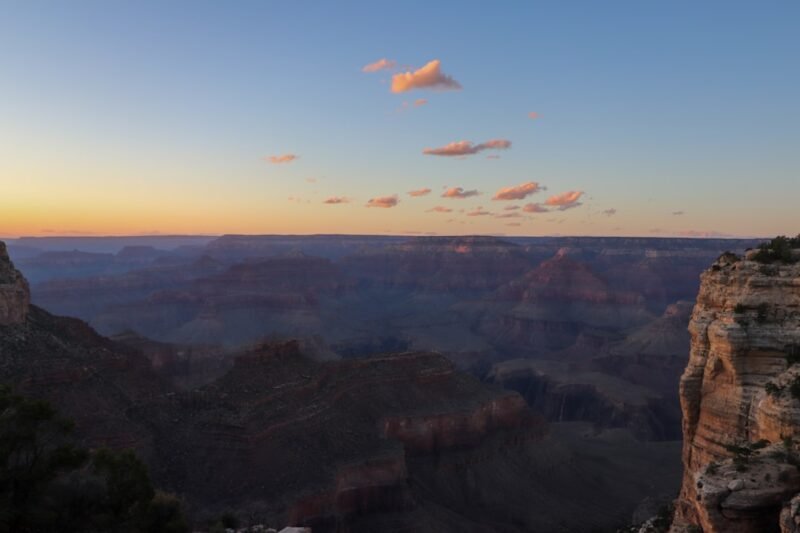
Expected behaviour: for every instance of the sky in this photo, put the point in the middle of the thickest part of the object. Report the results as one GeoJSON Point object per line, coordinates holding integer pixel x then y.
{"type": "Point", "coordinates": [518, 118]}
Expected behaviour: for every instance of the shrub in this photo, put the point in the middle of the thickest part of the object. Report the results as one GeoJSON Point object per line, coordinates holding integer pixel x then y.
{"type": "Point", "coordinates": [229, 520]}
{"type": "Point", "coordinates": [761, 313]}
{"type": "Point", "coordinates": [794, 388]}
{"type": "Point", "coordinates": [773, 389]}
{"type": "Point", "coordinates": [740, 309]}
{"type": "Point", "coordinates": [778, 249]}
{"type": "Point", "coordinates": [48, 484]}
{"type": "Point", "coordinates": [759, 444]}
{"type": "Point", "coordinates": [792, 354]}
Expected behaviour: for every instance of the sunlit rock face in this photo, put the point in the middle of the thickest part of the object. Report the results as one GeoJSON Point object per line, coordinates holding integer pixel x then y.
{"type": "Point", "coordinates": [741, 422]}
{"type": "Point", "coordinates": [14, 294]}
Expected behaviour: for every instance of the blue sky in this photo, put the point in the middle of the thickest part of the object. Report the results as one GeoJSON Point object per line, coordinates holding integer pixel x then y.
{"type": "Point", "coordinates": [131, 117]}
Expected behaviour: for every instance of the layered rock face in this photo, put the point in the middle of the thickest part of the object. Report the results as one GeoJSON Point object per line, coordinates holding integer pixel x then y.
{"type": "Point", "coordinates": [740, 396]}
{"type": "Point", "coordinates": [287, 438]}
{"type": "Point", "coordinates": [441, 264]}
{"type": "Point", "coordinates": [14, 294]}
{"type": "Point", "coordinates": [561, 299]}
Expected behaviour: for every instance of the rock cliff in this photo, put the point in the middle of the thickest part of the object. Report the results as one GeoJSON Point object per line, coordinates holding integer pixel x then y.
{"type": "Point", "coordinates": [14, 294]}
{"type": "Point", "coordinates": [740, 397]}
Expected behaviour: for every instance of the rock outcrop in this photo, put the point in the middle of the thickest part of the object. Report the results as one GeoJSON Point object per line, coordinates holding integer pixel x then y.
{"type": "Point", "coordinates": [740, 396]}
{"type": "Point", "coordinates": [14, 294]}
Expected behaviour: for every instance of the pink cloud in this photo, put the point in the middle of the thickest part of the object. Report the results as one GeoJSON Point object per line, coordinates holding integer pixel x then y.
{"type": "Point", "coordinates": [419, 192]}
{"type": "Point", "coordinates": [518, 192]}
{"type": "Point", "coordinates": [535, 208]}
{"type": "Point", "coordinates": [513, 224]}
{"type": "Point", "coordinates": [478, 212]}
{"type": "Point", "coordinates": [428, 77]}
{"type": "Point", "coordinates": [509, 215]}
{"type": "Point", "coordinates": [311, 180]}
{"type": "Point", "coordinates": [337, 200]}
{"type": "Point", "coordinates": [610, 212]}
{"type": "Point", "coordinates": [492, 156]}
{"type": "Point", "coordinates": [565, 201]}
{"type": "Point", "coordinates": [511, 208]}
{"type": "Point", "coordinates": [533, 115]}
{"type": "Point", "coordinates": [461, 148]}
{"type": "Point", "coordinates": [677, 213]}
{"type": "Point", "coordinates": [419, 102]}
{"type": "Point", "coordinates": [285, 158]}
{"type": "Point", "coordinates": [381, 64]}
{"type": "Point", "coordinates": [383, 201]}
{"type": "Point", "coordinates": [459, 193]}
{"type": "Point", "coordinates": [440, 209]}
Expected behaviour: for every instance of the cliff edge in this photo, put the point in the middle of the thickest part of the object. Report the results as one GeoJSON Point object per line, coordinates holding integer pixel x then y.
{"type": "Point", "coordinates": [740, 397]}
{"type": "Point", "coordinates": [14, 293]}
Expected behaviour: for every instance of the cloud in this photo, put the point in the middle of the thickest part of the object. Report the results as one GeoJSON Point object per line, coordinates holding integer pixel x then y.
{"type": "Point", "coordinates": [566, 200]}
{"type": "Point", "coordinates": [533, 115]}
{"type": "Point", "coordinates": [518, 192]}
{"type": "Point", "coordinates": [428, 77]}
{"type": "Point", "coordinates": [478, 212]}
{"type": "Point", "coordinates": [337, 200]}
{"type": "Point", "coordinates": [419, 102]}
{"type": "Point", "coordinates": [511, 208]}
{"type": "Point", "coordinates": [461, 148]}
{"type": "Point", "coordinates": [535, 208]}
{"type": "Point", "coordinates": [381, 64]}
{"type": "Point", "coordinates": [509, 215]}
{"type": "Point", "coordinates": [459, 193]}
{"type": "Point", "coordinates": [513, 224]}
{"type": "Point", "coordinates": [492, 156]}
{"type": "Point", "coordinates": [419, 192]}
{"type": "Point", "coordinates": [285, 158]}
{"type": "Point", "coordinates": [383, 201]}
{"type": "Point", "coordinates": [610, 212]}
{"type": "Point", "coordinates": [677, 213]}
{"type": "Point", "coordinates": [311, 180]}
{"type": "Point", "coordinates": [440, 209]}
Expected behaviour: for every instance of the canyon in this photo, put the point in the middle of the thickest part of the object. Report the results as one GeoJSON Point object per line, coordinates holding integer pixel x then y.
{"type": "Point", "coordinates": [403, 440]}
{"type": "Point", "coordinates": [353, 383]}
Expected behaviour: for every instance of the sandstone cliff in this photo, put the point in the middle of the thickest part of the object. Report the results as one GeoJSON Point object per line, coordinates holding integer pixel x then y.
{"type": "Point", "coordinates": [14, 294]}
{"type": "Point", "coordinates": [740, 396]}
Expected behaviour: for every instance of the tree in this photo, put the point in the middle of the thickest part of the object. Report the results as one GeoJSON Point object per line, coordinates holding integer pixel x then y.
{"type": "Point", "coordinates": [49, 484]}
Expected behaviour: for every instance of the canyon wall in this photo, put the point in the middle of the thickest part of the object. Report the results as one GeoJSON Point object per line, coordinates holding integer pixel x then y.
{"type": "Point", "coordinates": [740, 397]}
{"type": "Point", "coordinates": [14, 294]}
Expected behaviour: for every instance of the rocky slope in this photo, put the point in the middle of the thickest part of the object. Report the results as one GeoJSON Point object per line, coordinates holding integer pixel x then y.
{"type": "Point", "coordinates": [740, 396]}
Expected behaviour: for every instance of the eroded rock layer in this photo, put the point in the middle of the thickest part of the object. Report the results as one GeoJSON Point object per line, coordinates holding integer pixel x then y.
{"type": "Point", "coordinates": [14, 294]}
{"type": "Point", "coordinates": [740, 396]}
